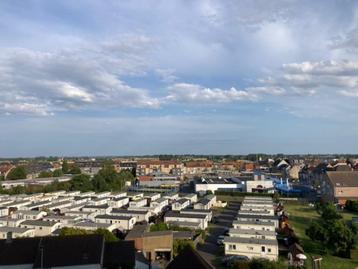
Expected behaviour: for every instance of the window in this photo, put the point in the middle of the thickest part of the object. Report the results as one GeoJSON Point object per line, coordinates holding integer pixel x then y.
{"type": "Point", "coordinates": [250, 248]}
{"type": "Point", "coordinates": [268, 250]}
{"type": "Point", "coordinates": [263, 249]}
{"type": "Point", "coordinates": [232, 247]}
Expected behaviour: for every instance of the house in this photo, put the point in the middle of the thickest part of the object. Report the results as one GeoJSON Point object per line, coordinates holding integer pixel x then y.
{"type": "Point", "coordinates": [206, 203]}
{"type": "Point", "coordinates": [180, 204]}
{"type": "Point", "coordinates": [28, 214]}
{"type": "Point", "coordinates": [251, 247]}
{"type": "Point", "coordinates": [82, 215]}
{"type": "Point", "coordinates": [64, 220]}
{"type": "Point", "coordinates": [123, 223]}
{"type": "Point", "coordinates": [78, 251]}
{"type": "Point", "coordinates": [152, 197]}
{"type": "Point", "coordinates": [99, 201]}
{"type": "Point", "coordinates": [4, 211]}
{"type": "Point", "coordinates": [259, 218]}
{"type": "Point", "coordinates": [339, 186]}
{"type": "Point", "coordinates": [91, 226]}
{"type": "Point", "coordinates": [16, 232]}
{"type": "Point", "coordinates": [246, 233]}
{"type": "Point", "coordinates": [193, 197]}
{"type": "Point", "coordinates": [171, 196]}
{"type": "Point", "coordinates": [100, 209]}
{"type": "Point", "coordinates": [192, 221]}
{"type": "Point", "coordinates": [118, 202]}
{"type": "Point", "coordinates": [256, 211]}
{"type": "Point", "coordinates": [152, 244]}
{"type": "Point", "coordinates": [140, 215]}
{"type": "Point", "coordinates": [253, 225]}
{"type": "Point", "coordinates": [8, 221]}
{"type": "Point", "coordinates": [138, 203]}
{"type": "Point", "coordinates": [168, 167]}
{"type": "Point", "coordinates": [160, 203]}
{"type": "Point", "coordinates": [197, 167]}
{"type": "Point", "coordinates": [104, 194]}
{"type": "Point", "coordinates": [204, 212]}
{"type": "Point", "coordinates": [41, 227]}
{"type": "Point", "coordinates": [118, 195]}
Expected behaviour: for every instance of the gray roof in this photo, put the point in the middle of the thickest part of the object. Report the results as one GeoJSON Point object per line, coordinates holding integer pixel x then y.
{"type": "Point", "coordinates": [39, 223]}
{"type": "Point", "coordinates": [183, 215]}
{"type": "Point", "coordinates": [229, 239]}
{"type": "Point", "coordinates": [251, 232]}
{"type": "Point", "coordinates": [125, 211]}
{"type": "Point", "coordinates": [250, 222]}
{"type": "Point", "coordinates": [206, 211]}
{"type": "Point", "coordinates": [257, 217]}
{"type": "Point", "coordinates": [6, 229]}
{"type": "Point", "coordinates": [113, 217]}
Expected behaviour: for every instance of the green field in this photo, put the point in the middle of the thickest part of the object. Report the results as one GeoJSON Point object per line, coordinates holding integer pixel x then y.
{"type": "Point", "coordinates": [300, 216]}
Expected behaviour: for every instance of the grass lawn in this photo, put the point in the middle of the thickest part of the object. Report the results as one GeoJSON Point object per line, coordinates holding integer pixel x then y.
{"type": "Point", "coordinates": [300, 216]}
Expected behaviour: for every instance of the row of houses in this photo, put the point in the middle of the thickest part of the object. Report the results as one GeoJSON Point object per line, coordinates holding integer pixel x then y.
{"type": "Point", "coordinates": [253, 232]}
{"type": "Point", "coordinates": [46, 213]}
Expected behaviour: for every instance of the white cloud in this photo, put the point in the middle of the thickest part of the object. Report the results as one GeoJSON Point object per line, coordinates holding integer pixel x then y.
{"type": "Point", "coordinates": [194, 93]}
{"type": "Point", "coordinates": [308, 78]}
{"type": "Point", "coordinates": [42, 83]}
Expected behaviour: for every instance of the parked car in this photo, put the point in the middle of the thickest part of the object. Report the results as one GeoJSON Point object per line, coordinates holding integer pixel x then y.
{"type": "Point", "coordinates": [230, 260]}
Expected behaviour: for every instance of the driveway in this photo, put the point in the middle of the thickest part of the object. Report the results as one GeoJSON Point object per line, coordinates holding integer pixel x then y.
{"type": "Point", "coordinates": [210, 250]}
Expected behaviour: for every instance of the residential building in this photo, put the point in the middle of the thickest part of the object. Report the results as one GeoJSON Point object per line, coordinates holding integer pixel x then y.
{"type": "Point", "coordinates": [41, 227]}
{"type": "Point", "coordinates": [340, 186]}
{"type": "Point", "coordinates": [187, 220]}
{"type": "Point", "coordinates": [180, 204]}
{"type": "Point", "coordinates": [123, 223]}
{"type": "Point", "coordinates": [251, 247]}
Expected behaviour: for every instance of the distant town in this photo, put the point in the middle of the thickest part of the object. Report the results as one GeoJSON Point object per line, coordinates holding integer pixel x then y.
{"type": "Point", "coordinates": [171, 211]}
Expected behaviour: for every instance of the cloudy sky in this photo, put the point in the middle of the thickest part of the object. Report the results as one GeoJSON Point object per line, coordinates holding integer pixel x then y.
{"type": "Point", "coordinates": [147, 77]}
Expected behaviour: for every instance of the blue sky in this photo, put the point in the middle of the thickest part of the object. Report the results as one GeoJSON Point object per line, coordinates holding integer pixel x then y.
{"type": "Point", "coordinates": [150, 77]}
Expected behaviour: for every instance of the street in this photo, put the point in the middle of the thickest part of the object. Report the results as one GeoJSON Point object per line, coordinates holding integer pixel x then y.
{"type": "Point", "coordinates": [210, 250]}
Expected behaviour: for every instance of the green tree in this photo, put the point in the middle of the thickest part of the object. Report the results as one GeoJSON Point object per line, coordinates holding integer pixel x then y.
{"type": "Point", "coordinates": [65, 167]}
{"type": "Point", "coordinates": [329, 212]}
{"type": "Point", "coordinates": [67, 231]}
{"type": "Point", "coordinates": [57, 173]}
{"type": "Point", "coordinates": [161, 226]}
{"type": "Point", "coordinates": [316, 231]}
{"type": "Point", "coordinates": [81, 183]}
{"type": "Point", "coordinates": [352, 205]}
{"type": "Point", "coordinates": [44, 174]}
{"type": "Point", "coordinates": [99, 183]}
{"type": "Point", "coordinates": [340, 238]}
{"type": "Point", "coordinates": [17, 173]}
{"type": "Point", "coordinates": [74, 170]}
{"type": "Point", "coordinates": [108, 236]}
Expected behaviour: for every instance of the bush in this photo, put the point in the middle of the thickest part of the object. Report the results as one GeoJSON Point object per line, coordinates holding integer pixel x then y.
{"type": "Point", "coordinates": [352, 205]}
{"type": "Point", "coordinates": [180, 244]}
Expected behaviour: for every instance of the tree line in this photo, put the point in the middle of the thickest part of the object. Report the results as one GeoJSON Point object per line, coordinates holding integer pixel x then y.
{"type": "Point", "coordinates": [107, 179]}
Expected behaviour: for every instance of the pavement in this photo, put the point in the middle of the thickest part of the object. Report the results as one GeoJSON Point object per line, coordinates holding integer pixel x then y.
{"type": "Point", "coordinates": [210, 250]}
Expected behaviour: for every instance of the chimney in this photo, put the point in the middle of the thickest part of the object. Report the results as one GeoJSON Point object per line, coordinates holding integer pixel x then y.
{"type": "Point", "coordinates": [8, 237]}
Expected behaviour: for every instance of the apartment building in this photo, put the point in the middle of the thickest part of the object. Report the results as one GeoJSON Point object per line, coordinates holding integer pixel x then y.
{"type": "Point", "coordinates": [170, 167]}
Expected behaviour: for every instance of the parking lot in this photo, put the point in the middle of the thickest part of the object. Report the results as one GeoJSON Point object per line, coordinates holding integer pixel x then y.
{"type": "Point", "coordinates": [210, 249]}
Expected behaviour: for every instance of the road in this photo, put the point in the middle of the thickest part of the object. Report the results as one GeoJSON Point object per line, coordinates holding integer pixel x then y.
{"type": "Point", "coordinates": [210, 250]}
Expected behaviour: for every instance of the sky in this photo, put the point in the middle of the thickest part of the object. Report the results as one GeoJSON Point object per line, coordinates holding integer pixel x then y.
{"type": "Point", "coordinates": [134, 77]}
